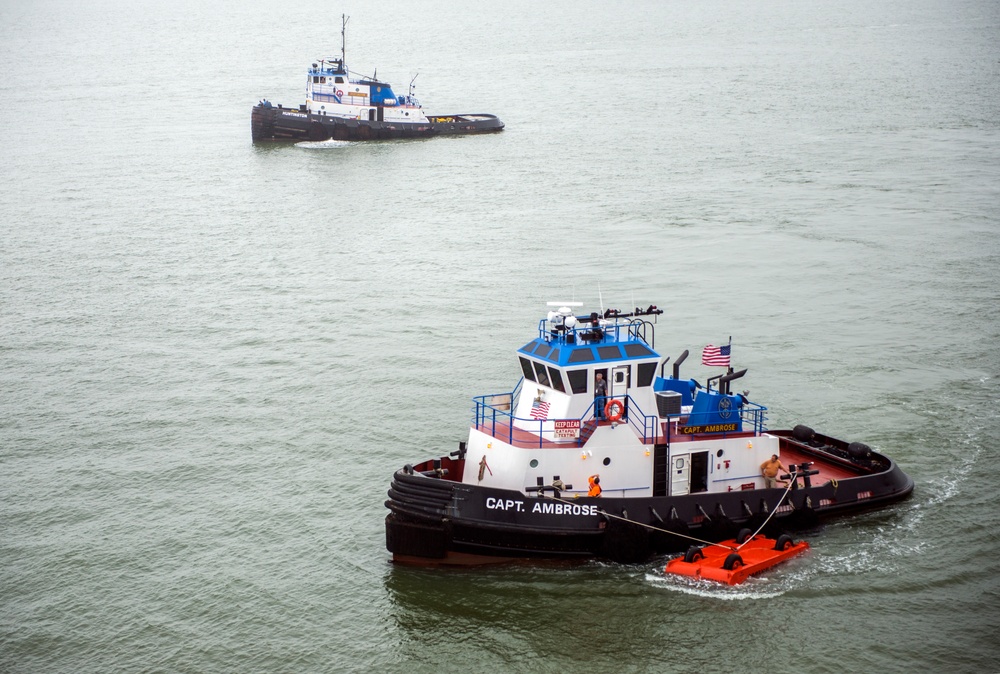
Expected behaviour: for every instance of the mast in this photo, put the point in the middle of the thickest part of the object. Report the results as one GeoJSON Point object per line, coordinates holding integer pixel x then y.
{"type": "Point", "coordinates": [343, 39]}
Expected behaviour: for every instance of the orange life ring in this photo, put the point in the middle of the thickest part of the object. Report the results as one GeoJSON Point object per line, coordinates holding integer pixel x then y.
{"type": "Point", "coordinates": [614, 404]}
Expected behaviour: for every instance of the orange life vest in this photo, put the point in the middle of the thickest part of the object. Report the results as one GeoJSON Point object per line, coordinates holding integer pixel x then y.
{"type": "Point", "coordinates": [595, 489]}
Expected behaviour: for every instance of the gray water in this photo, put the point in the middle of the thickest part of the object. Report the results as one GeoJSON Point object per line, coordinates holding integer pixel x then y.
{"type": "Point", "coordinates": [215, 354]}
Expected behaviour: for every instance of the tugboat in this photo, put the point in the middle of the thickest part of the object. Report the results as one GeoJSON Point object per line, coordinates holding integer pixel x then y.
{"type": "Point", "coordinates": [343, 107]}
{"type": "Point", "coordinates": [597, 452]}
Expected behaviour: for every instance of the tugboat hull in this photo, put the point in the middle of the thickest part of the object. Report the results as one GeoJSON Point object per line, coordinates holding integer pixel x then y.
{"type": "Point", "coordinates": [434, 520]}
{"type": "Point", "coordinates": [276, 123]}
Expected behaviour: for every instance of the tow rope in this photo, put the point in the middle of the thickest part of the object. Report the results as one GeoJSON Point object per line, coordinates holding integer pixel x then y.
{"type": "Point", "coordinates": [791, 483]}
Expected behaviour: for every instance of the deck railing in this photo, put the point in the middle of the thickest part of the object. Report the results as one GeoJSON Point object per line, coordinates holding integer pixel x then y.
{"type": "Point", "coordinates": [494, 415]}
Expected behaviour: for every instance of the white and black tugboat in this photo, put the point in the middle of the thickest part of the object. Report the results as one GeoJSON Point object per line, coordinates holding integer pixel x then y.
{"type": "Point", "coordinates": [343, 106]}
{"type": "Point", "coordinates": [552, 470]}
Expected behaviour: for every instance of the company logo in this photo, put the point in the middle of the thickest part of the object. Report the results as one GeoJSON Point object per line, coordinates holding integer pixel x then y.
{"type": "Point", "coordinates": [725, 408]}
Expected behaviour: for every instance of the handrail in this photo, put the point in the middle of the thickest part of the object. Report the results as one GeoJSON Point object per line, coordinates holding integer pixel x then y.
{"type": "Point", "coordinates": [495, 413]}
{"type": "Point", "coordinates": [583, 335]}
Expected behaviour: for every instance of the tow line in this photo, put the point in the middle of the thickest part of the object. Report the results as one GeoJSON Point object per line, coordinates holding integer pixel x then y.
{"type": "Point", "coordinates": [731, 561]}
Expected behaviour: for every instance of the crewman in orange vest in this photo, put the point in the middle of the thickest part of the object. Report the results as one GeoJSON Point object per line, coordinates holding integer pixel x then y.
{"type": "Point", "coordinates": [595, 485]}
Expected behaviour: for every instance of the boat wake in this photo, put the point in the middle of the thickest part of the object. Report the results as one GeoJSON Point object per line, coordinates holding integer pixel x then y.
{"type": "Point", "coordinates": [753, 588]}
{"type": "Point", "coordinates": [323, 144]}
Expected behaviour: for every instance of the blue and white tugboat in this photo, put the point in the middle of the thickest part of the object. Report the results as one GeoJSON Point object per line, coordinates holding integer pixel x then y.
{"type": "Point", "coordinates": [343, 107]}
{"type": "Point", "coordinates": [597, 451]}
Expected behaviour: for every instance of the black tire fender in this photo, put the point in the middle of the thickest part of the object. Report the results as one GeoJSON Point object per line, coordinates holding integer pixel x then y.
{"type": "Point", "coordinates": [733, 561]}
{"type": "Point", "coordinates": [803, 433]}
{"type": "Point", "coordinates": [693, 554]}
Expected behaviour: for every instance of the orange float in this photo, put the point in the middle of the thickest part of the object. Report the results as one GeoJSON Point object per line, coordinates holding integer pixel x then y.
{"type": "Point", "coordinates": [731, 562]}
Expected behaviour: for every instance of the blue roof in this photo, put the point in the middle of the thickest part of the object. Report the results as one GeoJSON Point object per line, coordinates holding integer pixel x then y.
{"type": "Point", "coordinates": [564, 354]}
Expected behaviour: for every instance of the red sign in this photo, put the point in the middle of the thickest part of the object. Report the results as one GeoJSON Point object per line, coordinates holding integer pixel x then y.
{"type": "Point", "coordinates": [567, 428]}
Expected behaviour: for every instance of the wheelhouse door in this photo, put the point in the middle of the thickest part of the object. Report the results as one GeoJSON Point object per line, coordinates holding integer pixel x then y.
{"type": "Point", "coordinates": [619, 386]}
{"type": "Point", "coordinates": [619, 381]}
{"type": "Point", "coordinates": [680, 474]}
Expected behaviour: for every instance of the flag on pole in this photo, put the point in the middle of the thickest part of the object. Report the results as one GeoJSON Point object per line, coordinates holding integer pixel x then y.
{"type": "Point", "coordinates": [716, 355]}
{"type": "Point", "coordinates": [539, 409]}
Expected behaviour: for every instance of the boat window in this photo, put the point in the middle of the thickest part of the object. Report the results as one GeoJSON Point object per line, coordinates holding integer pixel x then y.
{"type": "Point", "coordinates": [557, 381]}
{"type": "Point", "coordinates": [646, 373]}
{"type": "Point", "coordinates": [322, 80]}
{"type": "Point", "coordinates": [636, 349]}
{"type": "Point", "coordinates": [542, 349]}
{"type": "Point", "coordinates": [315, 79]}
{"type": "Point", "coordinates": [609, 352]}
{"type": "Point", "coordinates": [578, 380]}
{"type": "Point", "coordinates": [529, 347]}
{"type": "Point", "coordinates": [623, 375]}
{"type": "Point", "coordinates": [526, 368]}
{"type": "Point", "coordinates": [543, 376]}
{"type": "Point", "coordinates": [581, 355]}
{"type": "Point", "coordinates": [554, 354]}
{"type": "Point", "coordinates": [340, 80]}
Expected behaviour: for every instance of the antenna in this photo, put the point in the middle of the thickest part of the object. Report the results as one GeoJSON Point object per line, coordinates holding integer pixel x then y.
{"type": "Point", "coordinates": [600, 297]}
{"type": "Point", "coordinates": [343, 39]}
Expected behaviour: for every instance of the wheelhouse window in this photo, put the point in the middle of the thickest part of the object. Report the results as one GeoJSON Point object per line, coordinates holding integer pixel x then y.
{"type": "Point", "coordinates": [609, 352]}
{"type": "Point", "coordinates": [526, 368]}
{"type": "Point", "coordinates": [646, 373]}
{"type": "Point", "coordinates": [581, 355]}
{"type": "Point", "coordinates": [543, 376]}
{"type": "Point", "coordinates": [633, 350]}
{"type": "Point", "coordinates": [578, 380]}
{"type": "Point", "coordinates": [557, 381]}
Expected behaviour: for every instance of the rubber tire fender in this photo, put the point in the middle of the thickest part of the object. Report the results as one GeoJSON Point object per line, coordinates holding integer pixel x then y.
{"type": "Point", "coordinates": [859, 450]}
{"type": "Point", "coordinates": [733, 561]}
{"type": "Point", "coordinates": [744, 536]}
{"type": "Point", "coordinates": [784, 542]}
{"type": "Point", "coordinates": [693, 554]}
{"type": "Point", "coordinates": [803, 433]}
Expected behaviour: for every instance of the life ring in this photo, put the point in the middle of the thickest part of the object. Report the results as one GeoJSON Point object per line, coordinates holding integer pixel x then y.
{"type": "Point", "coordinates": [614, 404]}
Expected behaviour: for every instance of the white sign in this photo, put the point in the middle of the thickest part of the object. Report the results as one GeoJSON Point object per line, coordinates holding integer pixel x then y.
{"type": "Point", "coordinates": [567, 428]}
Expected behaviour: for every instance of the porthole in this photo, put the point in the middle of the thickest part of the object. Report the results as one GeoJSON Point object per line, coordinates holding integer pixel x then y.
{"type": "Point", "coordinates": [679, 463]}
{"type": "Point", "coordinates": [719, 453]}
{"type": "Point", "coordinates": [607, 461]}
{"type": "Point", "coordinates": [534, 463]}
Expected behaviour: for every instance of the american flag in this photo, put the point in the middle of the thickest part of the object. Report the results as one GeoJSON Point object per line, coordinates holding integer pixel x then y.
{"type": "Point", "coordinates": [539, 409]}
{"type": "Point", "coordinates": [716, 355]}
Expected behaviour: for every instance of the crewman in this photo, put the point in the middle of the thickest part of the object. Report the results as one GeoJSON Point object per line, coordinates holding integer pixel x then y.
{"type": "Point", "coordinates": [595, 485]}
{"type": "Point", "coordinates": [769, 469]}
